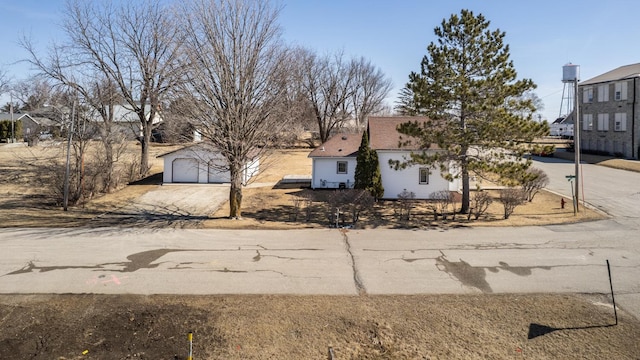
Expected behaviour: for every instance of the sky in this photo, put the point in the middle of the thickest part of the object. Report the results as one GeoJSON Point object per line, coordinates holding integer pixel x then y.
{"type": "Point", "coordinates": [542, 35]}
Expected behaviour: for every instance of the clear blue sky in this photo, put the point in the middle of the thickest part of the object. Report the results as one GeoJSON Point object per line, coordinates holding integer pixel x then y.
{"type": "Point", "coordinates": [543, 35]}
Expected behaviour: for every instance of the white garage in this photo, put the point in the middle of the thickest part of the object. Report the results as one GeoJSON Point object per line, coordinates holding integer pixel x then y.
{"type": "Point", "coordinates": [200, 164]}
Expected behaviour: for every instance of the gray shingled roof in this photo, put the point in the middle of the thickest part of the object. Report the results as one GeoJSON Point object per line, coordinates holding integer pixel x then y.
{"type": "Point", "coordinates": [621, 73]}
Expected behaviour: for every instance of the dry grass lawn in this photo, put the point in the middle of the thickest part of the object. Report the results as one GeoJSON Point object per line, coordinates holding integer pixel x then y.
{"type": "Point", "coordinates": [27, 202]}
{"type": "Point", "coordinates": [87, 326]}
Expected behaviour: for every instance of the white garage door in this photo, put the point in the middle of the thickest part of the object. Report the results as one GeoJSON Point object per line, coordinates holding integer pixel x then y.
{"type": "Point", "coordinates": [185, 171]}
{"type": "Point", "coordinates": [218, 176]}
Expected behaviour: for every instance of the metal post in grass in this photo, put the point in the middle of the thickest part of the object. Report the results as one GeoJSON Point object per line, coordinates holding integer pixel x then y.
{"type": "Point", "coordinates": [615, 311]}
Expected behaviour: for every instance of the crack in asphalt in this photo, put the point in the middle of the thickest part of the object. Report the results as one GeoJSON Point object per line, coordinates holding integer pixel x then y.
{"type": "Point", "coordinates": [259, 257]}
{"type": "Point", "coordinates": [356, 275]}
{"type": "Point", "coordinates": [142, 260]}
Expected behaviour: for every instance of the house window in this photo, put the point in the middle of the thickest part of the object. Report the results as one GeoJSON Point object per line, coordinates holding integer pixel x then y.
{"type": "Point", "coordinates": [620, 122]}
{"type": "Point", "coordinates": [587, 121]}
{"type": "Point", "coordinates": [342, 167]}
{"type": "Point", "coordinates": [603, 93]}
{"type": "Point", "coordinates": [621, 91]}
{"type": "Point", "coordinates": [603, 122]}
{"type": "Point", "coordinates": [424, 176]}
{"type": "Point", "coordinates": [587, 95]}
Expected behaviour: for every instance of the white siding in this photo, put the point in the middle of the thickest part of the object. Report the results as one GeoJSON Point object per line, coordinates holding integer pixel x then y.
{"type": "Point", "coordinates": [197, 165]}
{"type": "Point", "coordinates": [250, 170]}
{"type": "Point", "coordinates": [184, 170]}
{"type": "Point", "coordinates": [325, 173]}
{"type": "Point", "coordinates": [395, 181]}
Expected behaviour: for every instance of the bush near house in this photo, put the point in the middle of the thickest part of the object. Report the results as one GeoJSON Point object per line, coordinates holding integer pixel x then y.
{"type": "Point", "coordinates": [5, 129]}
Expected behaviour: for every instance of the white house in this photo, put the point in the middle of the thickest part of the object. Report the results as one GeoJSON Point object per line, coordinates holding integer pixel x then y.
{"type": "Point", "coordinates": [334, 161]}
{"type": "Point", "coordinates": [562, 127]}
{"type": "Point", "coordinates": [201, 164]}
{"type": "Point", "coordinates": [126, 120]}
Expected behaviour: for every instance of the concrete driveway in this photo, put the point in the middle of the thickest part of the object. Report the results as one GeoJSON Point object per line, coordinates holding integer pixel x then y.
{"type": "Point", "coordinates": [173, 205]}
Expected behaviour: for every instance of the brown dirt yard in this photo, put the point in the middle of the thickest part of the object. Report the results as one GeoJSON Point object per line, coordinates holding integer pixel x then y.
{"type": "Point", "coordinates": [87, 326]}
{"type": "Point", "coordinates": [292, 327]}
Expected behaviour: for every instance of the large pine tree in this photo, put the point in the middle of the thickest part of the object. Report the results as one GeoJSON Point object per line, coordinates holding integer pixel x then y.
{"type": "Point", "coordinates": [478, 114]}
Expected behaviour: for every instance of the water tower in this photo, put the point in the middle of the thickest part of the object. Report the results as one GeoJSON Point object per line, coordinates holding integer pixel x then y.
{"type": "Point", "coordinates": [571, 75]}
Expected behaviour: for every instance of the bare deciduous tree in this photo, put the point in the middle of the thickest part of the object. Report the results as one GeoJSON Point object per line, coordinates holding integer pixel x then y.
{"type": "Point", "coordinates": [33, 93]}
{"type": "Point", "coordinates": [94, 89]}
{"type": "Point", "coordinates": [4, 81]}
{"type": "Point", "coordinates": [237, 76]}
{"type": "Point", "coordinates": [339, 89]}
{"type": "Point", "coordinates": [135, 47]}
{"type": "Point", "coordinates": [372, 87]}
{"type": "Point", "coordinates": [328, 86]}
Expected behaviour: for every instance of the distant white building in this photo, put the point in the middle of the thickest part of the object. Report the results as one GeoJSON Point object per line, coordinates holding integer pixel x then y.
{"type": "Point", "coordinates": [562, 127]}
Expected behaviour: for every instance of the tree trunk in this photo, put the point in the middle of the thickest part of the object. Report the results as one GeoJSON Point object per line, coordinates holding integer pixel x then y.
{"type": "Point", "coordinates": [108, 163]}
{"type": "Point", "coordinates": [323, 129]}
{"type": "Point", "coordinates": [235, 193]}
{"type": "Point", "coordinates": [144, 148]}
{"type": "Point", "coordinates": [464, 206]}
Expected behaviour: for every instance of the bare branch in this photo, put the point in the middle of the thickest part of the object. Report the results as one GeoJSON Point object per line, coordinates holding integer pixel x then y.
{"type": "Point", "coordinates": [236, 80]}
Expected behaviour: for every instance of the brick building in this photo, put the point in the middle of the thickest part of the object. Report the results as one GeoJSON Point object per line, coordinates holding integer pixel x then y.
{"type": "Point", "coordinates": [610, 113]}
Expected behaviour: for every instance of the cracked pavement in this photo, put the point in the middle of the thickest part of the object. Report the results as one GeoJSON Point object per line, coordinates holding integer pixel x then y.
{"type": "Point", "coordinates": [547, 259]}
{"type": "Point", "coordinates": [331, 261]}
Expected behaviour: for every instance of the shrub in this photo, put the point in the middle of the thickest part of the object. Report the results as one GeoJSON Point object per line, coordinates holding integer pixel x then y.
{"type": "Point", "coordinates": [442, 201]}
{"type": "Point", "coordinates": [533, 180]}
{"type": "Point", "coordinates": [480, 204]}
{"type": "Point", "coordinates": [405, 204]}
{"type": "Point", "coordinates": [349, 201]}
{"type": "Point", "coordinates": [510, 199]}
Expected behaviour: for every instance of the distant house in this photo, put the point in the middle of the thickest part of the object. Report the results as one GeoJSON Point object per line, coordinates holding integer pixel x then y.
{"type": "Point", "coordinates": [334, 162]}
{"type": "Point", "coordinates": [610, 112]}
{"type": "Point", "coordinates": [128, 122]}
{"type": "Point", "coordinates": [562, 127]}
{"type": "Point", "coordinates": [32, 126]}
{"type": "Point", "coordinates": [201, 163]}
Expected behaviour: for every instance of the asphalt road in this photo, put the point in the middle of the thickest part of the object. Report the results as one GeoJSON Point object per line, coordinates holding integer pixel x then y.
{"type": "Point", "coordinates": [547, 259]}
{"type": "Point", "coordinates": [616, 192]}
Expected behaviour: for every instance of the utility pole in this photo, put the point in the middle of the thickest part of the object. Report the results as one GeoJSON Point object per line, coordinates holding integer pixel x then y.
{"type": "Point", "coordinates": [576, 144]}
{"type": "Point", "coordinates": [11, 111]}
